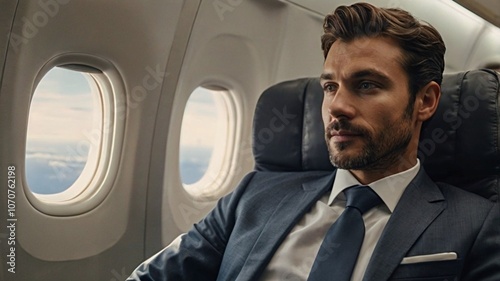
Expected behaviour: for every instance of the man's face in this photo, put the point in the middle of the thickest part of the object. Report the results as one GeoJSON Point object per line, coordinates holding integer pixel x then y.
{"type": "Point", "coordinates": [367, 124]}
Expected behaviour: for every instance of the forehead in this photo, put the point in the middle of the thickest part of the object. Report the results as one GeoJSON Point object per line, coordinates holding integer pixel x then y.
{"type": "Point", "coordinates": [382, 54]}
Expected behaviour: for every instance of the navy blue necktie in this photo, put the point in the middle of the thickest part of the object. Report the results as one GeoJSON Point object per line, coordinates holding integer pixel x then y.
{"type": "Point", "coordinates": [339, 251]}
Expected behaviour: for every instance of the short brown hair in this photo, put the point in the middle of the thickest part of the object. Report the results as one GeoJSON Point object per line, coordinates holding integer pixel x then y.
{"type": "Point", "coordinates": [422, 46]}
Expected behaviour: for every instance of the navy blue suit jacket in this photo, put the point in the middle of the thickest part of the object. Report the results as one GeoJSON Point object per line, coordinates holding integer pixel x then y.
{"type": "Point", "coordinates": [238, 238]}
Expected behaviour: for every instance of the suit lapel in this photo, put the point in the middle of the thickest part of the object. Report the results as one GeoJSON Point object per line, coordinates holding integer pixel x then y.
{"type": "Point", "coordinates": [286, 215]}
{"type": "Point", "coordinates": [419, 205]}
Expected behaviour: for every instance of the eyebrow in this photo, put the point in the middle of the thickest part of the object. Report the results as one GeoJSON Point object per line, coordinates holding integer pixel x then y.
{"type": "Point", "coordinates": [326, 76]}
{"type": "Point", "coordinates": [360, 74]}
{"type": "Point", "coordinates": [371, 73]}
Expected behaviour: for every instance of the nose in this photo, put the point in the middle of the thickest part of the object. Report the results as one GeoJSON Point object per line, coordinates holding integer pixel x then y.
{"type": "Point", "coordinates": [340, 104]}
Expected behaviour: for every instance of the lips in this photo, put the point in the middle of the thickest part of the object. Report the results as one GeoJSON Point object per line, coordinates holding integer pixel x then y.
{"type": "Point", "coordinates": [342, 130]}
{"type": "Point", "coordinates": [342, 135]}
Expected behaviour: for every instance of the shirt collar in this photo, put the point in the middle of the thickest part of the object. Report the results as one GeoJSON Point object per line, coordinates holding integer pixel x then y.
{"type": "Point", "coordinates": [389, 189]}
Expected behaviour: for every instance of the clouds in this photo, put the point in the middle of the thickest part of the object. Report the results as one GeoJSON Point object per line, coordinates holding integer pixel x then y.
{"type": "Point", "coordinates": [48, 173]}
{"type": "Point", "coordinates": [204, 126]}
{"type": "Point", "coordinates": [204, 118]}
{"type": "Point", "coordinates": [64, 106]}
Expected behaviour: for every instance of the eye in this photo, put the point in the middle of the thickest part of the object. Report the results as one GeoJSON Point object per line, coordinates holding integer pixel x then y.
{"type": "Point", "coordinates": [328, 88]}
{"type": "Point", "coordinates": [366, 85]}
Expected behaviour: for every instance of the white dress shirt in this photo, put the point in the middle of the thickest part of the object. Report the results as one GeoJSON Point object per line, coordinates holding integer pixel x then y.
{"type": "Point", "coordinates": [294, 258]}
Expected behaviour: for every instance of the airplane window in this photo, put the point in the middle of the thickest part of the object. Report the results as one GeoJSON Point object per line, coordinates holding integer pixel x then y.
{"type": "Point", "coordinates": [205, 140]}
{"type": "Point", "coordinates": [63, 139]}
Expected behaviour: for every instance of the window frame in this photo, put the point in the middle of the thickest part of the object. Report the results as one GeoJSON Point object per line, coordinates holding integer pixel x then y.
{"type": "Point", "coordinates": [91, 188]}
{"type": "Point", "coordinates": [215, 182]}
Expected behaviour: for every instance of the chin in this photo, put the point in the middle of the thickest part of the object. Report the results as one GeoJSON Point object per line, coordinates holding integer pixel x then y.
{"type": "Point", "coordinates": [342, 160]}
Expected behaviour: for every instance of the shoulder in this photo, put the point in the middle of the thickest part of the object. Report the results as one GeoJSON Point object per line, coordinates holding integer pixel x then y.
{"type": "Point", "coordinates": [467, 207]}
{"type": "Point", "coordinates": [282, 182]}
{"type": "Point", "coordinates": [261, 189]}
{"type": "Point", "coordinates": [460, 196]}
{"type": "Point", "coordinates": [460, 205]}
{"type": "Point", "coordinates": [267, 188]}
{"type": "Point", "coordinates": [454, 196]}
{"type": "Point", "coordinates": [282, 179]}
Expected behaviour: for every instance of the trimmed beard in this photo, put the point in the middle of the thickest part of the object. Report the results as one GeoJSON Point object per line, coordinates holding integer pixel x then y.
{"type": "Point", "coordinates": [381, 151]}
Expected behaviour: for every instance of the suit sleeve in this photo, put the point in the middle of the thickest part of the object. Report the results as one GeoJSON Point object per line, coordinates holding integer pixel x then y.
{"type": "Point", "coordinates": [483, 261]}
{"type": "Point", "coordinates": [197, 254]}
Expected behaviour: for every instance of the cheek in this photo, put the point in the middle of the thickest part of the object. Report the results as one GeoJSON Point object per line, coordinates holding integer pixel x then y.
{"type": "Point", "coordinates": [325, 115]}
{"type": "Point", "coordinates": [389, 110]}
{"type": "Point", "coordinates": [380, 118]}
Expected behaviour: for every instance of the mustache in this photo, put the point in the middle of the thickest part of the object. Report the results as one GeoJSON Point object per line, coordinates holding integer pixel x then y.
{"type": "Point", "coordinates": [345, 125]}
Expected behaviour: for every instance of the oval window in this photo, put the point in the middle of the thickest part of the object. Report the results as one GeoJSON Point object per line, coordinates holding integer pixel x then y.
{"type": "Point", "coordinates": [62, 149]}
{"type": "Point", "coordinates": [206, 140]}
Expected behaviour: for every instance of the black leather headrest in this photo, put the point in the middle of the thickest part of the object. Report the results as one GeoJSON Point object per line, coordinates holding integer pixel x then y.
{"type": "Point", "coordinates": [458, 145]}
{"type": "Point", "coordinates": [288, 132]}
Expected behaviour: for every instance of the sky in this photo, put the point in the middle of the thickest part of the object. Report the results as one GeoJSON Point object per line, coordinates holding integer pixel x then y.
{"type": "Point", "coordinates": [200, 119]}
{"type": "Point", "coordinates": [57, 108]}
{"type": "Point", "coordinates": [61, 111]}
{"type": "Point", "coordinates": [65, 107]}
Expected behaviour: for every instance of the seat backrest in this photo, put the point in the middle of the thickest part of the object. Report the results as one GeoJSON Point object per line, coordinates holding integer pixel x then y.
{"type": "Point", "coordinates": [458, 145]}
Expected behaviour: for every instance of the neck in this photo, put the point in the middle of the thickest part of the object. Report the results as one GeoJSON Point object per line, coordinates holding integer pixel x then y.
{"type": "Point", "coordinates": [368, 176]}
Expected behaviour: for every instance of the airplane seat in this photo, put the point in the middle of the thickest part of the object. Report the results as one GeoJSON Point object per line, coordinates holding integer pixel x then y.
{"type": "Point", "coordinates": [288, 132]}
{"type": "Point", "coordinates": [459, 145]}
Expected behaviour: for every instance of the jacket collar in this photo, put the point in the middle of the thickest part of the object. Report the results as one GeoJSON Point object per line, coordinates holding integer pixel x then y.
{"type": "Point", "coordinates": [286, 215]}
{"type": "Point", "coordinates": [419, 205]}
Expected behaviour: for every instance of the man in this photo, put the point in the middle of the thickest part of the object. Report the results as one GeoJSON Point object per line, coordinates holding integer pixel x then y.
{"type": "Point", "coordinates": [381, 80]}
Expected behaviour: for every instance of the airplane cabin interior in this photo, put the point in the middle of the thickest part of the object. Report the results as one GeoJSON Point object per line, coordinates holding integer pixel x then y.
{"type": "Point", "coordinates": [123, 122]}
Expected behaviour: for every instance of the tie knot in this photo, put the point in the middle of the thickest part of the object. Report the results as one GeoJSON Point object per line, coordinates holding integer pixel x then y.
{"type": "Point", "coordinates": [362, 197]}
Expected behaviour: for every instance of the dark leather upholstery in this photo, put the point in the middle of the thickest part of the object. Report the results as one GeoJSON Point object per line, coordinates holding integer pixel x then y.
{"type": "Point", "coordinates": [458, 145]}
{"type": "Point", "coordinates": [467, 155]}
{"type": "Point", "coordinates": [296, 142]}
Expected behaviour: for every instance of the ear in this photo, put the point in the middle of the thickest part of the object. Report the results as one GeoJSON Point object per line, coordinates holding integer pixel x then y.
{"type": "Point", "coordinates": [427, 101]}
